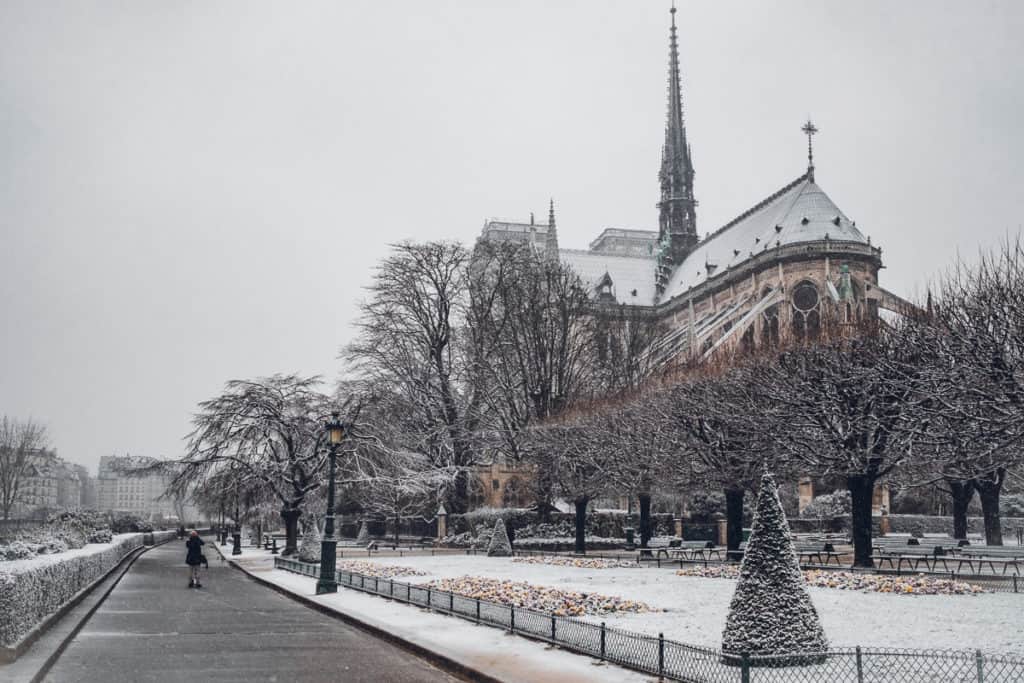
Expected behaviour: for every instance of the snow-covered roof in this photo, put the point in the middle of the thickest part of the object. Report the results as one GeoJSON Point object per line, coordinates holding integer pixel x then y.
{"type": "Point", "coordinates": [799, 212]}
{"type": "Point", "coordinates": [628, 273]}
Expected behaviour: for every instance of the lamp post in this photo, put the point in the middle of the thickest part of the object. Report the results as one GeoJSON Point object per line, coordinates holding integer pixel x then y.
{"type": "Point", "coordinates": [236, 536]}
{"type": "Point", "coordinates": [328, 546]}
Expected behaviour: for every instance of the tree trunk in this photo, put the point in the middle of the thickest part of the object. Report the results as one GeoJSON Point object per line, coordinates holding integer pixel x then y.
{"type": "Point", "coordinates": [989, 487]}
{"type": "Point", "coordinates": [645, 519]}
{"type": "Point", "coordinates": [962, 492]}
{"type": "Point", "coordinates": [291, 531]}
{"type": "Point", "coordinates": [458, 501]}
{"type": "Point", "coordinates": [398, 520]}
{"type": "Point", "coordinates": [862, 489]}
{"type": "Point", "coordinates": [581, 524]}
{"type": "Point", "coordinates": [733, 520]}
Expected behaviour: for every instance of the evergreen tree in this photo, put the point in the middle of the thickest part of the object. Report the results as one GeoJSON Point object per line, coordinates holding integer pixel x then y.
{"type": "Point", "coordinates": [500, 545]}
{"type": "Point", "coordinates": [309, 550]}
{"type": "Point", "coordinates": [364, 534]}
{"type": "Point", "coordinates": [771, 612]}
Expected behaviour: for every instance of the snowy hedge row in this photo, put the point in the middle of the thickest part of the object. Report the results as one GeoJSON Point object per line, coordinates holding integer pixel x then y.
{"type": "Point", "coordinates": [33, 589]}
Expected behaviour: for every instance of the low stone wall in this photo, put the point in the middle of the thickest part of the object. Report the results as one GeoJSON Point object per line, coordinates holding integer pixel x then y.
{"type": "Point", "coordinates": [929, 524]}
{"type": "Point", "coordinates": [31, 590]}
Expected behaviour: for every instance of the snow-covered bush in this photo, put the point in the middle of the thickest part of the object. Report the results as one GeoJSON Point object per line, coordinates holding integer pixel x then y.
{"type": "Point", "coordinates": [364, 535]}
{"type": "Point", "coordinates": [33, 589]}
{"type": "Point", "coordinates": [104, 535]}
{"type": "Point", "coordinates": [16, 550]}
{"type": "Point", "coordinates": [835, 504]}
{"type": "Point", "coordinates": [499, 545]}
{"type": "Point", "coordinates": [309, 549]}
{"type": "Point", "coordinates": [771, 612]}
{"type": "Point", "coordinates": [127, 523]}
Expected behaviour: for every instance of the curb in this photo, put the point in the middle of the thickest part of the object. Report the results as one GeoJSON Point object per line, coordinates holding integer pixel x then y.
{"type": "Point", "coordinates": [442, 661]}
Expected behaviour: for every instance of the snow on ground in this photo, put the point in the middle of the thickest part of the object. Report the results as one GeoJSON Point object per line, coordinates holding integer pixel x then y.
{"type": "Point", "coordinates": [697, 607]}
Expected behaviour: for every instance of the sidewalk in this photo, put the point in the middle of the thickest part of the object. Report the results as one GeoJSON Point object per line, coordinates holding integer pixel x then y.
{"type": "Point", "coordinates": [153, 627]}
{"type": "Point", "coordinates": [508, 658]}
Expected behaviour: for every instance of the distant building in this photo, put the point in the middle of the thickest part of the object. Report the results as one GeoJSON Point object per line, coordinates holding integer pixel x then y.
{"type": "Point", "coordinates": [38, 492]}
{"type": "Point", "coordinates": [119, 491]}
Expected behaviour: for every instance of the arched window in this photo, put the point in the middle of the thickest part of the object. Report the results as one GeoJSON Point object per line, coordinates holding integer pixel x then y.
{"type": "Point", "coordinates": [515, 494]}
{"type": "Point", "coordinates": [477, 495]}
{"type": "Point", "coordinates": [806, 310]}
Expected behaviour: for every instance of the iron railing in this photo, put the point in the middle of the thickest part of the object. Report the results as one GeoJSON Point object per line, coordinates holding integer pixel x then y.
{"type": "Point", "coordinates": [681, 662]}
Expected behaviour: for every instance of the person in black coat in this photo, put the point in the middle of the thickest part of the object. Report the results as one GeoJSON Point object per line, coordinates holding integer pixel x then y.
{"type": "Point", "coordinates": [194, 558]}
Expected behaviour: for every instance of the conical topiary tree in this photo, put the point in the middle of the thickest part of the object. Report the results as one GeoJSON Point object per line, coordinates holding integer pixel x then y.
{"type": "Point", "coordinates": [771, 611]}
{"type": "Point", "coordinates": [363, 538]}
{"type": "Point", "coordinates": [309, 549]}
{"type": "Point", "coordinates": [500, 545]}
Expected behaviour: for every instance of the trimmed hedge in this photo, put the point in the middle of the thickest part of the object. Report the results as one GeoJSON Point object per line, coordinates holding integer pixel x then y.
{"type": "Point", "coordinates": [31, 590]}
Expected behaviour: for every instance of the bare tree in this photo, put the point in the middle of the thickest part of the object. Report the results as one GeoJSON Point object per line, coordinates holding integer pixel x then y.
{"type": "Point", "coordinates": [973, 337]}
{"type": "Point", "coordinates": [724, 433]}
{"type": "Point", "coordinates": [269, 434]}
{"type": "Point", "coordinates": [20, 442]}
{"type": "Point", "coordinates": [575, 457]}
{"type": "Point", "coordinates": [411, 341]}
{"type": "Point", "coordinates": [849, 409]}
{"type": "Point", "coordinates": [648, 452]}
{"type": "Point", "coordinates": [404, 485]}
{"type": "Point", "coordinates": [531, 324]}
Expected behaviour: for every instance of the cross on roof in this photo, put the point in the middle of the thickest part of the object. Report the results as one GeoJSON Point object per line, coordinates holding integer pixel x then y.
{"type": "Point", "coordinates": [809, 130]}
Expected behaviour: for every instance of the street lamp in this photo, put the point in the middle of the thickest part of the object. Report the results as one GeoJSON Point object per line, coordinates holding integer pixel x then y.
{"type": "Point", "coordinates": [328, 546]}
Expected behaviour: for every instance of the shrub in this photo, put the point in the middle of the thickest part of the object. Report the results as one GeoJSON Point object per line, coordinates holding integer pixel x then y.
{"type": "Point", "coordinates": [16, 550]}
{"type": "Point", "coordinates": [32, 589]}
{"type": "Point", "coordinates": [771, 612]}
{"type": "Point", "coordinates": [309, 549]}
{"type": "Point", "coordinates": [835, 504]}
{"type": "Point", "coordinates": [100, 536]}
{"type": "Point", "coordinates": [127, 524]}
{"type": "Point", "coordinates": [499, 545]}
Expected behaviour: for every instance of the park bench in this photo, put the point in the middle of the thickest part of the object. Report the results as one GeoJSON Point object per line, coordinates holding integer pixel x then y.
{"type": "Point", "coordinates": [913, 556]}
{"type": "Point", "coordinates": [659, 546]}
{"type": "Point", "coordinates": [991, 556]}
{"type": "Point", "coordinates": [814, 552]}
{"type": "Point", "coordinates": [691, 550]}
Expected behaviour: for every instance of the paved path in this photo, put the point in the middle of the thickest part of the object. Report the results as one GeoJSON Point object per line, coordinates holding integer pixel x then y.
{"type": "Point", "coordinates": [154, 628]}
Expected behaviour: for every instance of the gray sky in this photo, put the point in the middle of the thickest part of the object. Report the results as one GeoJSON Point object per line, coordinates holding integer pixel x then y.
{"type": "Point", "coordinates": [192, 192]}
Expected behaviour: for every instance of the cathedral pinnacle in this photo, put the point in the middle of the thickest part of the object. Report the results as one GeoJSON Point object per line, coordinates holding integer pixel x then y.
{"type": "Point", "coordinates": [551, 242]}
{"type": "Point", "coordinates": [677, 225]}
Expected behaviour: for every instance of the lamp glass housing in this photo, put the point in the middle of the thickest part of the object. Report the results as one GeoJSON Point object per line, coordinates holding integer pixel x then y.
{"type": "Point", "coordinates": [335, 430]}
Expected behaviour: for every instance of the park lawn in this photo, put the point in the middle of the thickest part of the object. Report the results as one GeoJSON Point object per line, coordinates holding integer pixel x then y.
{"type": "Point", "coordinates": [695, 608]}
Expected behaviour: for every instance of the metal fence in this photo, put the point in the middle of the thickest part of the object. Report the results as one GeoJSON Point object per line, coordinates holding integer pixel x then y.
{"type": "Point", "coordinates": [681, 662]}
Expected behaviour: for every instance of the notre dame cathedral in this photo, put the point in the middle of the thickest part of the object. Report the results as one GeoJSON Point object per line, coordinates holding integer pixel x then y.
{"type": "Point", "coordinates": [780, 267]}
{"type": "Point", "coordinates": [777, 268]}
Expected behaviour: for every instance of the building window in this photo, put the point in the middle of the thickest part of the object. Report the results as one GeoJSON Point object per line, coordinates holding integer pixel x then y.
{"type": "Point", "coordinates": [495, 484]}
{"type": "Point", "coordinates": [806, 316]}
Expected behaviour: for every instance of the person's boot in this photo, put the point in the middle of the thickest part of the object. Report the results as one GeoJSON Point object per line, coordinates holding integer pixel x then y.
{"type": "Point", "coordinates": [191, 583]}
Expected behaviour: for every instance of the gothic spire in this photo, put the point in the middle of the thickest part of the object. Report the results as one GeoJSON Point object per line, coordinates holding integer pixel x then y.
{"type": "Point", "coordinates": [551, 242]}
{"type": "Point", "coordinates": [677, 225]}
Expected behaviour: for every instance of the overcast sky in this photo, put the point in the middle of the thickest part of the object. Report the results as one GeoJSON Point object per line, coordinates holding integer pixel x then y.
{"type": "Point", "coordinates": [192, 192]}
